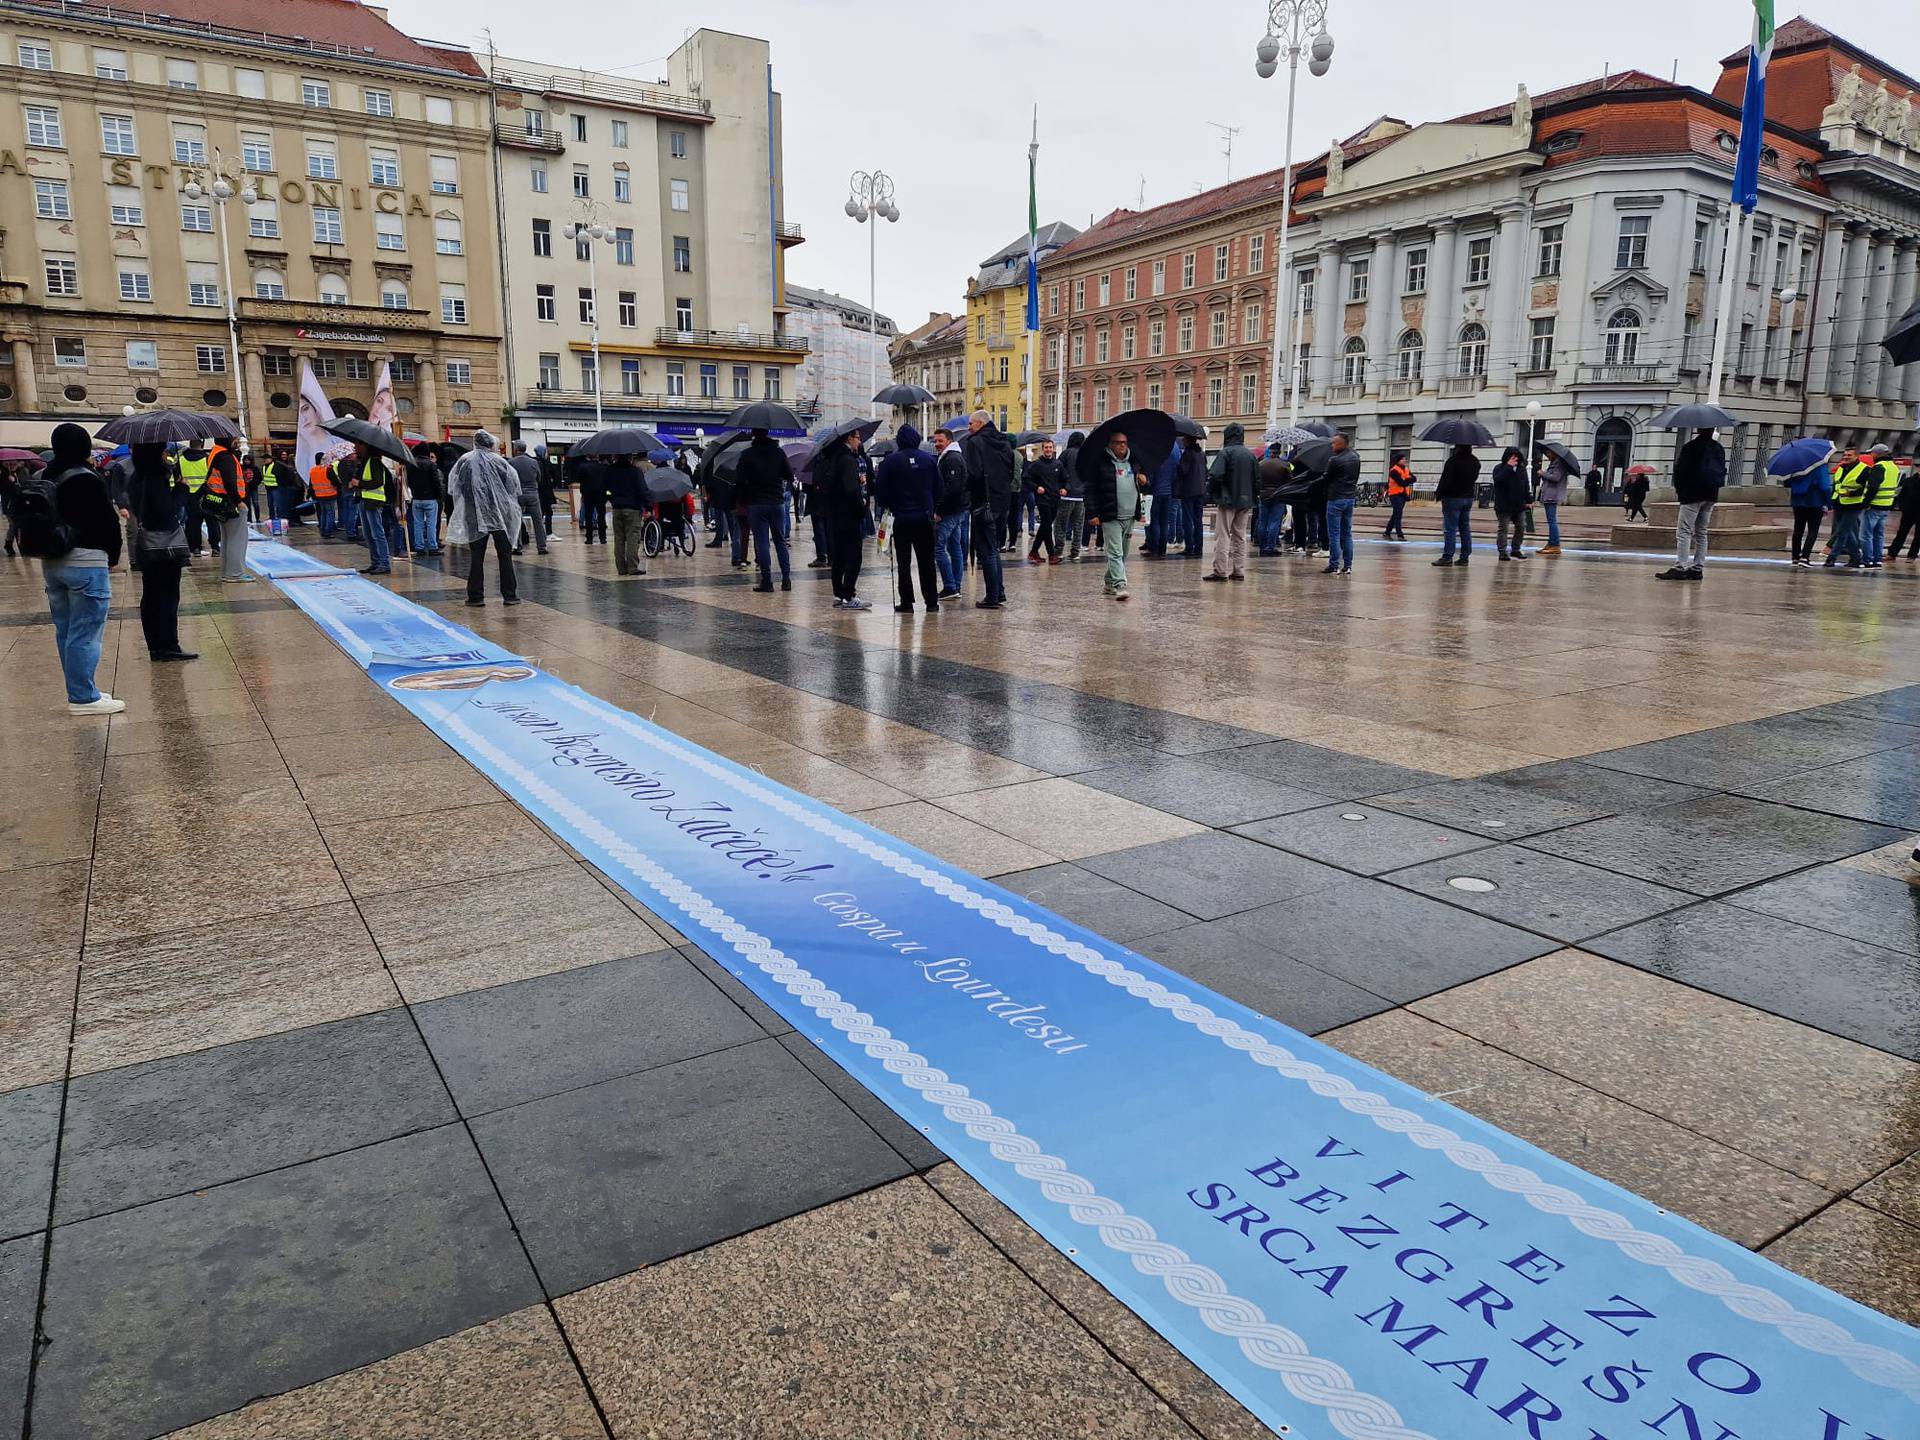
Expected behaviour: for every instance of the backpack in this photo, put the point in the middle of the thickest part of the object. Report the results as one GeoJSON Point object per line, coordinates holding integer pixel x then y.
{"type": "Point", "coordinates": [43, 535]}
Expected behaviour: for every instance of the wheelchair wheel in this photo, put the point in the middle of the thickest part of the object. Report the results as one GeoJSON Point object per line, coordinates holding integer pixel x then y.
{"type": "Point", "coordinates": [683, 544]}
{"type": "Point", "coordinates": [650, 538]}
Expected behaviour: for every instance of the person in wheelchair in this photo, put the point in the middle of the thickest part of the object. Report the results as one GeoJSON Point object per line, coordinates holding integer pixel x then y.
{"type": "Point", "coordinates": [675, 519]}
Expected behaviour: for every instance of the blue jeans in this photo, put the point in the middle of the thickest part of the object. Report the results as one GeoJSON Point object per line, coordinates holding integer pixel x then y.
{"type": "Point", "coordinates": [1876, 543]}
{"type": "Point", "coordinates": [1340, 534]}
{"type": "Point", "coordinates": [1028, 513]}
{"type": "Point", "coordinates": [279, 505]}
{"type": "Point", "coordinates": [1163, 525]}
{"type": "Point", "coordinates": [78, 597]}
{"type": "Point", "coordinates": [986, 552]}
{"type": "Point", "coordinates": [378, 556]}
{"type": "Point", "coordinates": [1552, 507]}
{"type": "Point", "coordinates": [1193, 513]}
{"type": "Point", "coordinates": [1456, 522]}
{"type": "Point", "coordinates": [950, 550]}
{"type": "Point", "coordinates": [769, 539]}
{"type": "Point", "coordinates": [1269, 520]}
{"type": "Point", "coordinates": [424, 515]}
{"type": "Point", "coordinates": [1849, 536]}
{"type": "Point", "coordinates": [350, 516]}
{"type": "Point", "coordinates": [326, 514]}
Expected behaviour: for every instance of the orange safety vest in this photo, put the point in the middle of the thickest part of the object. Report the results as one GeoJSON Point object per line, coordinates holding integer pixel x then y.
{"type": "Point", "coordinates": [320, 477]}
{"type": "Point", "coordinates": [1400, 480]}
{"type": "Point", "coordinates": [216, 483]}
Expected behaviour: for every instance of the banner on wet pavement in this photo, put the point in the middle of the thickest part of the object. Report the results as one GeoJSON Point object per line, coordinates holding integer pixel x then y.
{"type": "Point", "coordinates": [282, 562]}
{"type": "Point", "coordinates": [1346, 1255]}
{"type": "Point", "coordinates": [377, 627]}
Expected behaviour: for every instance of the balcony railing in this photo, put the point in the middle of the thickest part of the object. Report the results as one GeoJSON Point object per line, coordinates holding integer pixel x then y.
{"type": "Point", "coordinates": [730, 339]}
{"type": "Point", "coordinates": [1624, 375]}
{"type": "Point", "coordinates": [1345, 390]}
{"type": "Point", "coordinates": [1463, 384]}
{"type": "Point", "coordinates": [615, 399]}
{"type": "Point", "coordinates": [308, 313]}
{"type": "Point", "coordinates": [788, 232]}
{"type": "Point", "coordinates": [1000, 340]}
{"type": "Point", "coordinates": [518, 137]}
{"type": "Point", "coordinates": [1399, 389]}
{"type": "Point", "coordinates": [587, 85]}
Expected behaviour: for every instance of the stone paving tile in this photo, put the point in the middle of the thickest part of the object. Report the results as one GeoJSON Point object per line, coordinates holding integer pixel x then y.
{"type": "Point", "coordinates": [1517, 803]}
{"type": "Point", "coordinates": [1201, 792]}
{"type": "Point", "coordinates": [909, 1143]}
{"type": "Point", "coordinates": [46, 910]}
{"type": "Point", "coordinates": [1312, 767]}
{"type": "Point", "coordinates": [735, 989]}
{"type": "Point", "coordinates": [1832, 983]}
{"type": "Point", "coordinates": [697, 1151]}
{"type": "Point", "coordinates": [1358, 837]}
{"type": "Point", "coordinates": [1711, 846]}
{"type": "Point", "coordinates": [1066, 818]}
{"type": "Point", "coordinates": [1728, 1192]}
{"type": "Point", "coordinates": [184, 1309]}
{"type": "Point", "coordinates": [1224, 958]}
{"type": "Point", "coordinates": [1813, 1104]}
{"type": "Point", "coordinates": [60, 829]}
{"type": "Point", "coordinates": [1404, 745]}
{"type": "Point", "coordinates": [1137, 1345]}
{"type": "Point", "coordinates": [29, 1130]}
{"type": "Point", "coordinates": [186, 990]}
{"type": "Point", "coordinates": [1843, 900]}
{"type": "Point", "coordinates": [173, 737]}
{"type": "Point", "coordinates": [1902, 705]}
{"type": "Point", "coordinates": [238, 776]}
{"type": "Point", "coordinates": [243, 1109]}
{"type": "Point", "coordinates": [1746, 755]}
{"type": "Point", "coordinates": [1211, 875]}
{"type": "Point", "coordinates": [509, 1379]}
{"type": "Point", "coordinates": [1896, 1193]}
{"type": "Point", "coordinates": [1878, 787]}
{"type": "Point", "coordinates": [399, 852]}
{"type": "Point", "coordinates": [36, 1022]}
{"type": "Point", "coordinates": [305, 713]}
{"type": "Point", "coordinates": [1388, 941]}
{"type": "Point", "coordinates": [1101, 905]}
{"type": "Point", "coordinates": [19, 1298]}
{"type": "Point", "coordinates": [512, 1043]}
{"type": "Point", "coordinates": [955, 839]}
{"type": "Point", "coordinates": [830, 783]}
{"type": "Point", "coordinates": [883, 1314]}
{"type": "Point", "coordinates": [1543, 893]}
{"type": "Point", "coordinates": [313, 756]}
{"type": "Point", "coordinates": [1865, 1255]}
{"type": "Point", "coordinates": [443, 783]}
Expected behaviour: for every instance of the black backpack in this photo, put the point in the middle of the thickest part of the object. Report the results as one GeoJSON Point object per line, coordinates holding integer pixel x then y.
{"type": "Point", "coordinates": [36, 514]}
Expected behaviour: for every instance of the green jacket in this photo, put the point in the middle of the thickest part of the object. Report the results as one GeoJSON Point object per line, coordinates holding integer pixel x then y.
{"type": "Point", "coordinates": [1233, 480]}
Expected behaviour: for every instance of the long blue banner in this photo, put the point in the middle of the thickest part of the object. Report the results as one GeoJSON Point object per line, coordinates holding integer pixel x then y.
{"type": "Point", "coordinates": [377, 627]}
{"type": "Point", "coordinates": [1344, 1254]}
{"type": "Point", "coordinates": [282, 562]}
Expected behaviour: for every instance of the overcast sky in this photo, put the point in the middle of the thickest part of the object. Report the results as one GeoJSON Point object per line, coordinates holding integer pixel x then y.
{"type": "Point", "coordinates": [941, 96]}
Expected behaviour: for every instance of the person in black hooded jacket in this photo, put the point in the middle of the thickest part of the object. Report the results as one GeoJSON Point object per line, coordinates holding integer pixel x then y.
{"type": "Point", "coordinates": [154, 499]}
{"type": "Point", "coordinates": [842, 500]}
{"type": "Point", "coordinates": [761, 480]}
{"type": "Point", "coordinates": [1044, 478]}
{"type": "Point", "coordinates": [1070, 521]}
{"type": "Point", "coordinates": [1512, 495]}
{"type": "Point", "coordinates": [908, 484]}
{"type": "Point", "coordinates": [79, 583]}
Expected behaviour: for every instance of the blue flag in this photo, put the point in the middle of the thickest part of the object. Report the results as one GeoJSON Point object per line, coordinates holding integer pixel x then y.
{"type": "Point", "coordinates": [1753, 110]}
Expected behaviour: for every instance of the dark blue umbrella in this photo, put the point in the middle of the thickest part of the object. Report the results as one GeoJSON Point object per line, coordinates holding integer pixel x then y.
{"type": "Point", "coordinates": [1317, 427]}
{"type": "Point", "coordinates": [1799, 457]}
{"type": "Point", "coordinates": [1694, 417]}
{"type": "Point", "coordinates": [904, 395]}
{"type": "Point", "coordinates": [1187, 426]}
{"type": "Point", "coordinates": [957, 425]}
{"type": "Point", "coordinates": [1149, 440]}
{"type": "Point", "coordinates": [764, 415]}
{"type": "Point", "coordinates": [1456, 430]}
{"type": "Point", "coordinates": [834, 434]}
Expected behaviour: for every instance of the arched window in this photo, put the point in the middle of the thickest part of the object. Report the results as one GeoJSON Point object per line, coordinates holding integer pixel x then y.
{"type": "Point", "coordinates": [333, 289]}
{"type": "Point", "coordinates": [1613, 450]}
{"type": "Point", "coordinates": [1353, 361]}
{"type": "Point", "coordinates": [269, 285]}
{"type": "Point", "coordinates": [393, 294]}
{"type": "Point", "coordinates": [1623, 337]}
{"type": "Point", "coordinates": [1473, 349]}
{"type": "Point", "coordinates": [1411, 355]}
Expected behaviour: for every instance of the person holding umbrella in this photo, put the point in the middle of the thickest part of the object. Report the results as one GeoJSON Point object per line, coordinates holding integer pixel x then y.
{"type": "Point", "coordinates": [1698, 473]}
{"type": "Point", "coordinates": [1907, 502]}
{"type": "Point", "coordinates": [762, 478]}
{"type": "Point", "coordinates": [990, 486]}
{"type": "Point", "coordinates": [1512, 494]}
{"type": "Point", "coordinates": [842, 500]}
{"type": "Point", "coordinates": [1459, 482]}
{"type": "Point", "coordinates": [483, 494]}
{"type": "Point", "coordinates": [1801, 465]}
{"type": "Point", "coordinates": [366, 479]}
{"type": "Point", "coordinates": [1235, 478]}
{"type": "Point", "coordinates": [528, 469]}
{"type": "Point", "coordinates": [1555, 482]}
{"type": "Point", "coordinates": [1116, 490]}
{"type": "Point", "coordinates": [155, 499]}
{"type": "Point", "coordinates": [627, 498]}
{"type": "Point", "coordinates": [908, 484]}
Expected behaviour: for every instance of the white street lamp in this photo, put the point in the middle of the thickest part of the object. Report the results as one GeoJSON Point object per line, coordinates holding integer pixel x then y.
{"type": "Point", "coordinates": [590, 227]}
{"type": "Point", "coordinates": [220, 192]}
{"type": "Point", "coordinates": [1290, 23]}
{"type": "Point", "coordinates": [1533, 430]}
{"type": "Point", "coordinates": [869, 194]}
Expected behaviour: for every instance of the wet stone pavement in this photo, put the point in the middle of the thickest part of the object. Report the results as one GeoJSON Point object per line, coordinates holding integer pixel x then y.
{"type": "Point", "coordinates": [338, 1097]}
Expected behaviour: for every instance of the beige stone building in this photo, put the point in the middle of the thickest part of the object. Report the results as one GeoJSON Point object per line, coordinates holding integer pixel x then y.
{"type": "Point", "coordinates": [683, 288]}
{"type": "Point", "coordinates": [369, 235]}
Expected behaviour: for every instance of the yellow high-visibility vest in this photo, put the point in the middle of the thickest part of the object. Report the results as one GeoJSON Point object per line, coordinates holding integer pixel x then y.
{"type": "Point", "coordinates": [193, 473]}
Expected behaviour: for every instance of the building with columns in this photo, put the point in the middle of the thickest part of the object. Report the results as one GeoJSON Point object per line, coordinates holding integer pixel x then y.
{"type": "Point", "coordinates": [934, 357]}
{"type": "Point", "coordinates": [1564, 250]}
{"type": "Point", "coordinates": [369, 237]}
{"type": "Point", "coordinates": [684, 287]}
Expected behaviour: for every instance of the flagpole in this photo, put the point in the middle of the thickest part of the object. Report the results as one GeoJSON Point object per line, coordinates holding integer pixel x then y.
{"type": "Point", "coordinates": [1733, 265]}
{"type": "Point", "coordinates": [1033, 267]}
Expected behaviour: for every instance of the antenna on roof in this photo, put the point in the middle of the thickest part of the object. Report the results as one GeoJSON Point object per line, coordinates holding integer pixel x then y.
{"type": "Point", "coordinates": [1229, 131]}
{"type": "Point", "coordinates": [1141, 204]}
{"type": "Point", "coordinates": [1606, 73]}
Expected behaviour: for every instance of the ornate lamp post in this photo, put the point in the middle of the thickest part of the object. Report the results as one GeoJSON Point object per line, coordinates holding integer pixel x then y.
{"type": "Point", "coordinates": [591, 227]}
{"type": "Point", "coordinates": [221, 190]}
{"type": "Point", "coordinates": [1290, 23]}
{"type": "Point", "coordinates": [870, 193]}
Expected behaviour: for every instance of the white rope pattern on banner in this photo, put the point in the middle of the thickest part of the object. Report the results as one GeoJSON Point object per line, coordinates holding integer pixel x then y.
{"type": "Point", "coordinates": [1354, 1413]}
{"type": "Point", "coordinates": [1870, 1362]}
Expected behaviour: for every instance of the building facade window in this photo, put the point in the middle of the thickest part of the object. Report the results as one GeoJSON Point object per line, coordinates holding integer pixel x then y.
{"type": "Point", "coordinates": [589, 374]}
{"type": "Point", "coordinates": [709, 382]}
{"type": "Point", "coordinates": [269, 285]}
{"type": "Point", "coordinates": [1548, 246]}
{"type": "Point", "coordinates": [1353, 361]}
{"type": "Point", "coordinates": [1186, 332]}
{"type": "Point", "coordinates": [50, 200]}
{"type": "Point", "coordinates": [316, 94]}
{"type": "Point", "coordinates": [70, 352]}
{"type": "Point", "coordinates": [1186, 271]}
{"type": "Point", "coordinates": [109, 64]}
{"type": "Point", "coordinates": [378, 102]}
{"type": "Point", "coordinates": [116, 135]}
{"type": "Point", "coordinates": [256, 152]}
{"type": "Point", "coordinates": [549, 372]}
{"type": "Point", "coordinates": [35, 55]}
{"type": "Point", "coordinates": [389, 232]}
{"type": "Point", "coordinates": [1100, 343]}
{"type": "Point", "coordinates": [1540, 343]}
{"type": "Point", "coordinates": [1128, 342]}
{"type": "Point", "coordinates": [1416, 278]}
{"type": "Point", "coordinates": [124, 206]}
{"type": "Point", "coordinates": [383, 168]}
{"type": "Point", "coordinates": [143, 355]}
{"type": "Point", "coordinates": [676, 379]}
{"type": "Point", "coordinates": [1702, 238]}
{"type": "Point", "coordinates": [629, 376]}
{"type": "Point", "coordinates": [322, 163]}
{"type": "Point", "coordinates": [443, 174]}
{"type": "Point", "coordinates": [542, 239]}
{"type": "Point", "coordinates": [453, 311]}
{"type": "Point", "coordinates": [1159, 277]}
{"type": "Point", "coordinates": [1156, 337]}
{"type": "Point", "coordinates": [682, 255]}
{"type": "Point", "coordinates": [43, 128]}
{"type": "Point", "coordinates": [1249, 392]}
{"type": "Point", "coordinates": [629, 309]}
{"type": "Point", "coordinates": [328, 228]}
{"type": "Point", "coordinates": [1630, 248]}
{"type": "Point", "coordinates": [1222, 261]}
{"type": "Point", "coordinates": [1256, 256]}
{"type": "Point", "coordinates": [742, 382]}
{"type": "Point", "coordinates": [770, 384]}
{"type": "Point", "coordinates": [1473, 350]}
{"type": "Point", "coordinates": [62, 275]}
{"type": "Point", "coordinates": [579, 128]}
{"type": "Point", "coordinates": [1359, 280]}
{"type": "Point", "coordinates": [679, 195]}
{"type": "Point", "coordinates": [1216, 394]}
{"type": "Point", "coordinates": [1106, 289]}
{"type": "Point", "coordinates": [1217, 329]}
{"type": "Point", "coordinates": [1130, 286]}
{"type": "Point", "coordinates": [677, 144]}
{"type": "Point", "coordinates": [393, 295]}
{"type": "Point", "coordinates": [460, 372]}
{"type": "Point", "coordinates": [210, 359]}
{"type": "Point", "coordinates": [333, 290]}
{"type": "Point", "coordinates": [197, 218]}
{"type": "Point", "coordinates": [1623, 337]}
{"type": "Point", "coordinates": [1480, 260]}
{"type": "Point", "coordinates": [582, 182]}
{"type": "Point", "coordinates": [584, 298]}
{"type": "Point", "coordinates": [683, 315]}
{"type": "Point", "coordinates": [1183, 396]}
{"type": "Point", "coordinates": [135, 284]}
{"type": "Point", "coordinates": [1410, 356]}
{"type": "Point", "coordinates": [537, 176]}
{"type": "Point", "coordinates": [1252, 322]}
{"type": "Point", "coordinates": [623, 246]}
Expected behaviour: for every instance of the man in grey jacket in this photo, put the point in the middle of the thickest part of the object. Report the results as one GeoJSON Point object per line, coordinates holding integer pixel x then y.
{"type": "Point", "coordinates": [528, 469]}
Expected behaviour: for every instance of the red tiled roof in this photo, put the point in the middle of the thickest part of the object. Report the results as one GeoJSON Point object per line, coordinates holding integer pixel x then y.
{"type": "Point", "coordinates": [1670, 124]}
{"type": "Point", "coordinates": [1808, 64]}
{"type": "Point", "coordinates": [454, 58]}
{"type": "Point", "coordinates": [342, 23]}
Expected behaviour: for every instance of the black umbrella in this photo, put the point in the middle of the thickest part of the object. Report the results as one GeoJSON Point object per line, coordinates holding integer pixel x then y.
{"type": "Point", "coordinates": [159, 427]}
{"type": "Point", "coordinates": [1317, 427]}
{"type": "Point", "coordinates": [1563, 453]}
{"type": "Point", "coordinates": [1903, 340]}
{"type": "Point", "coordinates": [722, 457]}
{"type": "Point", "coordinates": [1034, 437]}
{"type": "Point", "coordinates": [1149, 440]}
{"type": "Point", "coordinates": [834, 434]}
{"type": "Point", "coordinates": [628, 441]}
{"type": "Point", "coordinates": [351, 427]}
{"type": "Point", "coordinates": [1189, 427]}
{"type": "Point", "coordinates": [1694, 417]}
{"type": "Point", "coordinates": [904, 395]}
{"type": "Point", "coordinates": [764, 415]}
{"type": "Point", "coordinates": [1456, 431]}
{"type": "Point", "coordinates": [882, 447]}
{"type": "Point", "coordinates": [219, 427]}
{"type": "Point", "coordinates": [665, 484]}
{"type": "Point", "coordinates": [1313, 456]}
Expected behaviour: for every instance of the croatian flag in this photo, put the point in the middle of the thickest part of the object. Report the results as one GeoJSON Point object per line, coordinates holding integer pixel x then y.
{"type": "Point", "coordinates": [1033, 227]}
{"type": "Point", "coordinates": [1753, 110]}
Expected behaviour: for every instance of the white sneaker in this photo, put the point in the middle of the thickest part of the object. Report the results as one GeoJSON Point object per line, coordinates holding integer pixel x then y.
{"type": "Point", "coordinates": [839, 604]}
{"type": "Point", "coordinates": [105, 705]}
{"type": "Point", "coordinates": [858, 604]}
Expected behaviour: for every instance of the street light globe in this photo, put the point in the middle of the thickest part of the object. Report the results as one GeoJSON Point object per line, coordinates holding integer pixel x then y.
{"type": "Point", "coordinates": [1789, 295]}
{"type": "Point", "coordinates": [1268, 50]}
{"type": "Point", "coordinates": [1533, 407]}
{"type": "Point", "coordinates": [1265, 69]}
{"type": "Point", "coordinates": [1322, 47]}
{"type": "Point", "coordinates": [249, 195]}
{"type": "Point", "coordinates": [852, 207]}
{"type": "Point", "coordinates": [570, 230]}
{"type": "Point", "coordinates": [126, 409]}
{"type": "Point", "coordinates": [222, 189]}
{"type": "Point", "coordinates": [598, 232]}
{"type": "Point", "coordinates": [891, 211]}
{"type": "Point", "coordinates": [192, 190]}
{"type": "Point", "coordinates": [1319, 67]}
